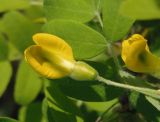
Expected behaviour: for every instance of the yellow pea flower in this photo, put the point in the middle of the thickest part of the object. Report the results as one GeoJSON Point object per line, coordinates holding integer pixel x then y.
{"type": "Point", "coordinates": [137, 56]}
{"type": "Point", "coordinates": [53, 58]}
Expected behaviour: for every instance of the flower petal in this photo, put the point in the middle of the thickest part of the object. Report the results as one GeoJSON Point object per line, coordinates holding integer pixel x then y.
{"type": "Point", "coordinates": [137, 57]}
{"type": "Point", "coordinates": [36, 58]}
{"type": "Point", "coordinates": [54, 44]}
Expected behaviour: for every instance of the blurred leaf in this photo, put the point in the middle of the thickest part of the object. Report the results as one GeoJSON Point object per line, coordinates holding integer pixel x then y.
{"type": "Point", "coordinates": [124, 117]}
{"type": "Point", "coordinates": [87, 93]}
{"type": "Point", "coordinates": [154, 102]}
{"type": "Point", "coordinates": [79, 10]}
{"type": "Point", "coordinates": [14, 54]}
{"type": "Point", "coordinates": [1, 26]}
{"type": "Point", "coordinates": [141, 9]}
{"type": "Point", "coordinates": [19, 29]}
{"type": "Point", "coordinates": [101, 106]}
{"type": "Point", "coordinates": [8, 51]}
{"type": "Point", "coordinates": [91, 92]}
{"type": "Point", "coordinates": [57, 116]}
{"type": "Point", "coordinates": [98, 5]}
{"type": "Point", "coordinates": [116, 25]}
{"type": "Point", "coordinates": [34, 12]}
{"type": "Point", "coordinates": [84, 41]}
{"type": "Point", "coordinates": [117, 114]}
{"type": "Point", "coordinates": [6, 119]}
{"type": "Point", "coordinates": [60, 108]}
{"type": "Point", "coordinates": [7, 5]}
{"type": "Point", "coordinates": [5, 75]}
{"type": "Point", "coordinates": [54, 94]}
{"type": "Point", "coordinates": [28, 84]}
{"type": "Point", "coordinates": [134, 96]}
{"type": "Point", "coordinates": [150, 113]}
{"type": "Point", "coordinates": [31, 113]}
{"type": "Point", "coordinates": [111, 115]}
{"type": "Point", "coordinates": [3, 48]}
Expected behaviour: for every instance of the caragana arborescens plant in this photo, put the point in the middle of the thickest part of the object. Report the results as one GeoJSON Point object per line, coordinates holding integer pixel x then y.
{"type": "Point", "coordinates": [79, 61]}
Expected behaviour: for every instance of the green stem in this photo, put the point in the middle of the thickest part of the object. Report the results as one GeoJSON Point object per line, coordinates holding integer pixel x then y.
{"type": "Point", "coordinates": [146, 91]}
{"type": "Point", "coordinates": [99, 19]}
{"type": "Point", "coordinates": [111, 51]}
{"type": "Point", "coordinates": [98, 14]}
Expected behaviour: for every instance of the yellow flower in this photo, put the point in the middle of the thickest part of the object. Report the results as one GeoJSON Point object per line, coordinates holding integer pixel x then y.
{"type": "Point", "coordinates": [137, 56]}
{"type": "Point", "coordinates": [53, 58]}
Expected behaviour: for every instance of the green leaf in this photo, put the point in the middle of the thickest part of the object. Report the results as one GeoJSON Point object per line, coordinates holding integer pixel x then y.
{"type": "Point", "coordinates": [116, 114]}
{"type": "Point", "coordinates": [134, 96]}
{"type": "Point", "coordinates": [101, 106]}
{"type": "Point", "coordinates": [116, 25]}
{"type": "Point", "coordinates": [60, 108]}
{"type": "Point", "coordinates": [91, 91]}
{"type": "Point", "coordinates": [8, 51]}
{"type": "Point", "coordinates": [28, 84]}
{"type": "Point", "coordinates": [30, 113]}
{"type": "Point", "coordinates": [83, 92]}
{"type": "Point", "coordinates": [21, 35]}
{"type": "Point", "coordinates": [147, 110]}
{"type": "Point", "coordinates": [57, 116]}
{"type": "Point", "coordinates": [34, 12]}
{"type": "Point", "coordinates": [14, 54]}
{"type": "Point", "coordinates": [7, 5]}
{"type": "Point", "coordinates": [85, 42]}
{"type": "Point", "coordinates": [54, 94]}
{"type": "Point", "coordinates": [5, 75]}
{"type": "Point", "coordinates": [79, 10]}
{"type": "Point", "coordinates": [123, 117]}
{"type": "Point", "coordinates": [1, 26]}
{"type": "Point", "coordinates": [141, 9]}
{"type": "Point", "coordinates": [6, 119]}
{"type": "Point", "coordinates": [154, 102]}
{"type": "Point", "coordinates": [86, 93]}
{"type": "Point", "coordinates": [3, 48]}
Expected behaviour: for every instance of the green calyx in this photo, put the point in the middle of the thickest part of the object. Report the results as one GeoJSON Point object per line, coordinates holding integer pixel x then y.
{"type": "Point", "coordinates": [83, 72]}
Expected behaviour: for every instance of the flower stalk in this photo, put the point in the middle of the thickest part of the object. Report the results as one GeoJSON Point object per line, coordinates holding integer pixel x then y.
{"type": "Point", "coordinates": [146, 91]}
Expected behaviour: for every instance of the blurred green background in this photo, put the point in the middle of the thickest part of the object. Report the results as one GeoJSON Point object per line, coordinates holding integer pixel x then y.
{"type": "Point", "coordinates": [95, 30]}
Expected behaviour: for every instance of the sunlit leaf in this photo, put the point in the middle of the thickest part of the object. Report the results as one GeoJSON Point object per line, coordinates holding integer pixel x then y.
{"type": "Point", "coordinates": [85, 42]}
{"type": "Point", "coordinates": [154, 102]}
{"type": "Point", "coordinates": [78, 10]}
{"type": "Point", "coordinates": [101, 106]}
{"type": "Point", "coordinates": [116, 25]}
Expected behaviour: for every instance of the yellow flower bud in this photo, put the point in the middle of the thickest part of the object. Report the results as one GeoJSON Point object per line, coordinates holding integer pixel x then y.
{"type": "Point", "coordinates": [53, 58]}
{"type": "Point", "coordinates": [137, 56]}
